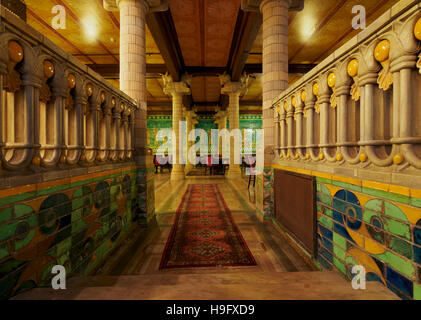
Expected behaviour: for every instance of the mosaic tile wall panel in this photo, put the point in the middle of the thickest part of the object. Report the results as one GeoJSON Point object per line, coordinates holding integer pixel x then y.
{"type": "Point", "coordinates": [154, 124]}
{"type": "Point", "coordinates": [75, 223]}
{"type": "Point", "coordinates": [377, 229]}
{"type": "Point", "coordinates": [264, 193]}
{"type": "Point", "coordinates": [157, 122]}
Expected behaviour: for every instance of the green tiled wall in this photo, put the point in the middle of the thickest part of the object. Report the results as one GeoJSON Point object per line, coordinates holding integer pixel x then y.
{"type": "Point", "coordinates": [75, 225]}
{"type": "Point", "coordinates": [377, 229]}
{"type": "Point", "coordinates": [157, 122]}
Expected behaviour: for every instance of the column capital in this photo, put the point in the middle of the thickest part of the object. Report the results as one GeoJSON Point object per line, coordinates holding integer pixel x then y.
{"type": "Point", "coordinates": [189, 114]}
{"type": "Point", "coordinates": [234, 88]}
{"type": "Point", "coordinates": [176, 88]}
{"type": "Point", "coordinates": [255, 5]}
{"type": "Point", "coordinates": [151, 5]}
{"type": "Point", "coordinates": [220, 114]}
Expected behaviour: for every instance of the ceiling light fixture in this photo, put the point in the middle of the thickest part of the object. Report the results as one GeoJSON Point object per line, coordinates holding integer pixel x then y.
{"type": "Point", "coordinates": [308, 27]}
{"type": "Point", "coordinates": [91, 29]}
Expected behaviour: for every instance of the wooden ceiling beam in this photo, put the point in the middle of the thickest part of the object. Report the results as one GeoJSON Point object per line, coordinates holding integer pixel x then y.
{"type": "Point", "coordinates": [245, 33]}
{"type": "Point", "coordinates": [162, 28]}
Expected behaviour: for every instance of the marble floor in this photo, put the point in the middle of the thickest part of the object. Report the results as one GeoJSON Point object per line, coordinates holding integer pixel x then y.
{"type": "Point", "coordinates": [271, 251]}
{"type": "Point", "coordinates": [281, 272]}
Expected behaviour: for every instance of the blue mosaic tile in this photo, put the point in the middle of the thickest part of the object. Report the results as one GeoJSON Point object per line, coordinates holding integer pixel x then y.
{"type": "Point", "coordinates": [370, 276]}
{"type": "Point", "coordinates": [352, 198]}
{"type": "Point", "coordinates": [323, 262]}
{"type": "Point", "coordinates": [400, 282]}
{"type": "Point", "coordinates": [326, 232]}
{"type": "Point", "coordinates": [397, 292]}
{"type": "Point", "coordinates": [340, 205]}
{"type": "Point", "coordinates": [341, 194]}
{"type": "Point", "coordinates": [326, 254]}
{"type": "Point", "coordinates": [341, 231]}
{"type": "Point", "coordinates": [337, 216]}
{"type": "Point", "coordinates": [417, 254]}
{"type": "Point", "coordinates": [417, 235]}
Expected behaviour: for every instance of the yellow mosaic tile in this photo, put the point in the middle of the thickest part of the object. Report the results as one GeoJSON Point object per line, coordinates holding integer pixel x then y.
{"type": "Point", "coordinates": [399, 190]}
{"type": "Point", "coordinates": [416, 193]}
{"type": "Point", "coordinates": [333, 189]}
{"type": "Point", "coordinates": [375, 185]}
{"type": "Point", "coordinates": [353, 181]}
{"type": "Point", "coordinates": [413, 214]}
{"type": "Point", "coordinates": [322, 175]}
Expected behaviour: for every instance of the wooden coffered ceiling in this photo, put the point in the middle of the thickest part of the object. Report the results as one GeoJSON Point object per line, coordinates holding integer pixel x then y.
{"type": "Point", "coordinates": [201, 37]}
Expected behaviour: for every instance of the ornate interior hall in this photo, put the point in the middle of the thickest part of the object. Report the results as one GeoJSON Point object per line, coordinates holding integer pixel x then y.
{"type": "Point", "coordinates": [210, 149]}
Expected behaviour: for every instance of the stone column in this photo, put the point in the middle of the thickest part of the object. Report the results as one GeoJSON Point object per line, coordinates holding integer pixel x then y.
{"type": "Point", "coordinates": [275, 63]}
{"type": "Point", "coordinates": [233, 90]}
{"type": "Point", "coordinates": [275, 81]}
{"type": "Point", "coordinates": [133, 65]}
{"type": "Point", "coordinates": [176, 90]}
{"type": "Point", "coordinates": [133, 83]}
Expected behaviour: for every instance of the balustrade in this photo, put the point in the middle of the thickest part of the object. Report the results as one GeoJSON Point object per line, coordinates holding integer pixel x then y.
{"type": "Point", "coordinates": [361, 106]}
{"type": "Point", "coordinates": [55, 112]}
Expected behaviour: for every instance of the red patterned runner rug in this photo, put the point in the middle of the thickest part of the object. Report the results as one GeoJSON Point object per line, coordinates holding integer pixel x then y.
{"type": "Point", "coordinates": [204, 233]}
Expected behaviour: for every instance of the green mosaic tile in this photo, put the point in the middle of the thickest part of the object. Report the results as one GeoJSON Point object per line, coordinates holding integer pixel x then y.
{"type": "Point", "coordinates": [417, 291]}
{"type": "Point", "coordinates": [326, 222]}
{"type": "Point", "coordinates": [23, 243]}
{"type": "Point", "coordinates": [3, 251]}
{"type": "Point", "coordinates": [416, 202]}
{"type": "Point", "coordinates": [17, 198]}
{"type": "Point", "coordinates": [340, 241]}
{"type": "Point", "coordinates": [376, 193]}
{"type": "Point", "coordinates": [324, 198]}
{"type": "Point", "coordinates": [6, 215]}
{"type": "Point", "coordinates": [80, 183]}
{"type": "Point", "coordinates": [339, 265]}
{"type": "Point", "coordinates": [63, 259]}
{"type": "Point", "coordinates": [341, 254]}
{"type": "Point", "coordinates": [328, 212]}
{"type": "Point", "coordinates": [317, 264]}
{"type": "Point", "coordinates": [396, 262]}
{"type": "Point", "coordinates": [375, 205]}
{"type": "Point", "coordinates": [7, 231]}
{"type": "Point", "coordinates": [346, 186]}
{"type": "Point", "coordinates": [54, 189]}
{"type": "Point", "coordinates": [398, 228]}
{"type": "Point", "coordinates": [368, 215]}
{"type": "Point", "coordinates": [78, 203]}
{"type": "Point", "coordinates": [400, 246]}
{"type": "Point", "coordinates": [22, 210]}
{"type": "Point", "coordinates": [394, 211]}
{"type": "Point", "coordinates": [323, 180]}
{"type": "Point", "coordinates": [398, 198]}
